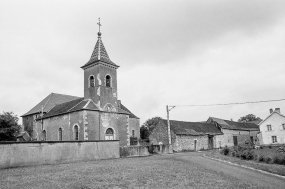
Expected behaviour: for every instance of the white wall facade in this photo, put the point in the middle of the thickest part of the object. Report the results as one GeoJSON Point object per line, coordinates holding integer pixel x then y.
{"type": "Point", "coordinates": [275, 120]}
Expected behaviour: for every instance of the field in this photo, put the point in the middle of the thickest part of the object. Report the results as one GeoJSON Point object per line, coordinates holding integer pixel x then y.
{"type": "Point", "coordinates": [185, 170]}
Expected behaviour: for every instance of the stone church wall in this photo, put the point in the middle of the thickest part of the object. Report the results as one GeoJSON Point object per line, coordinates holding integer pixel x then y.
{"type": "Point", "coordinates": [123, 125]}
{"type": "Point", "coordinates": [91, 125]}
{"type": "Point", "coordinates": [16, 154]}
{"type": "Point", "coordinates": [134, 125]}
{"type": "Point", "coordinates": [66, 122]}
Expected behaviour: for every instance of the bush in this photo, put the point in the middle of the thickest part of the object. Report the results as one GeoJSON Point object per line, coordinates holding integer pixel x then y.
{"type": "Point", "coordinates": [268, 159]}
{"type": "Point", "coordinates": [260, 158]}
{"type": "Point", "coordinates": [270, 147]}
{"type": "Point", "coordinates": [233, 153]}
{"type": "Point", "coordinates": [225, 151]}
{"type": "Point", "coordinates": [247, 154]}
{"type": "Point", "coordinates": [279, 159]}
{"type": "Point", "coordinates": [255, 157]}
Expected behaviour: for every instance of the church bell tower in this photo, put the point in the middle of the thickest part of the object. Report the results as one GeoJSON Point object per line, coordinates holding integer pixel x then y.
{"type": "Point", "coordinates": [100, 78]}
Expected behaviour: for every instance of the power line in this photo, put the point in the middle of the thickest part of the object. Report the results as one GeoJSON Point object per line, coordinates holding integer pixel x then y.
{"type": "Point", "coordinates": [233, 103]}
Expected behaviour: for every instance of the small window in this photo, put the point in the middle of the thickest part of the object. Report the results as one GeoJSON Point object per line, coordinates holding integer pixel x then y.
{"type": "Point", "coordinates": [44, 137]}
{"type": "Point", "coordinates": [274, 139]}
{"type": "Point", "coordinates": [60, 134]}
{"type": "Point", "coordinates": [283, 126]}
{"type": "Point", "coordinates": [76, 133]}
{"type": "Point", "coordinates": [269, 128]}
{"type": "Point", "coordinates": [91, 81]}
{"type": "Point", "coordinates": [133, 133]}
{"type": "Point", "coordinates": [109, 134]}
{"type": "Point", "coordinates": [108, 81]}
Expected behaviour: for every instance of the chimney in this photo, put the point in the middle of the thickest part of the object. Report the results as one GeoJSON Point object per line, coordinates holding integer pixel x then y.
{"type": "Point", "coordinates": [270, 110]}
{"type": "Point", "coordinates": [277, 110]}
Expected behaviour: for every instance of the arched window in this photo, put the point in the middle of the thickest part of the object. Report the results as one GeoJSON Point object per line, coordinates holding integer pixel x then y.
{"type": "Point", "coordinates": [44, 135]}
{"type": "Point", "coordinates": [91, 81]}
{"type": "Point", "coordinates": [60, 134]}
{"type": "Point", "coordinates": [108, 81]}
{"type": "Point", "coordinates": [76, 133]}
{"type": "Point", "coordinates": [109, 135]}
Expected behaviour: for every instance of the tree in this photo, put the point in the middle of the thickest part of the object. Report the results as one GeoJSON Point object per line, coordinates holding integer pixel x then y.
{"type": "Point", "coordinates": [249, 117]}
{"type": "Point", "coordinates": [148, 126]}
{"type": "Point", "coordinates": [9, 127]}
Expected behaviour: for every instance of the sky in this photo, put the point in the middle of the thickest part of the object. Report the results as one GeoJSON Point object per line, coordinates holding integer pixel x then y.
{"type": "Point", "coordinates": [169, 53]}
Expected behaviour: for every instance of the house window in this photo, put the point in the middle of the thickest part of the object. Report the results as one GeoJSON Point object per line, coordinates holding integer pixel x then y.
{"type": "Point", "coordinates": [269, 128]}
{"type": "Point", "coordinates": [109, 134]}
{"type": "Point", "coordinates": [76, 133]}
{"type": "Point", "coordinates": [283, 126]}
{"type": "Point", "coordinates": [44, 133]}
{"type": "Point", "coordinates": [274, 139]}
{"type": "Point", "coordinates": [91, 81]}
{"type": "Point", "coordinates": [60, 134]}
{"type": "Point", "coordinates": [133, 133]}
{"type": "Point", "coordinates": [108, 81]}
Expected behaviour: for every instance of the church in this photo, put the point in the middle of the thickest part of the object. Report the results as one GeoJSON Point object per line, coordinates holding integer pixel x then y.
{"type": "Point", "coordinates": [99, 115]}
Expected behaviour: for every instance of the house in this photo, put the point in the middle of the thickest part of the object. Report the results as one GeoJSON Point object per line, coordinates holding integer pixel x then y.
{"type": "Point", "coordinates": [185, 135]}
{"type": "Point", "coordinates": [99, 115]}
{"type": "Point", "coordinates": [272, 128]}
{"type": "Point", "coordinates": [234, 133]}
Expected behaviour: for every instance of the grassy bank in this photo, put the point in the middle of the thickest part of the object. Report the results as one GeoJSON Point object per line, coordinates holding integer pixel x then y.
{"type": "Point", "coordinates": [269, 167]}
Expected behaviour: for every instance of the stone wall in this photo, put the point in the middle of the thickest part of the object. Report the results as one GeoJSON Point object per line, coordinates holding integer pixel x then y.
{"type": "Point", "coordinates": [134, 125]}
{"type": "Point", "coordinates": [123, 127]}
{"type": "Point", "coordinates": [227, 138]}
{"type": "Point", "coordinates": [16, 154]}
{"type": "Point", "coordinates": [159, 135]}
{"type": "Point", "coordinates": [184, 142]}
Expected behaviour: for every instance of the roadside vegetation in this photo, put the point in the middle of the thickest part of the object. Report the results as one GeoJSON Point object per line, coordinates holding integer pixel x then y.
{"type": "Point", "coordinates": [269, 158]}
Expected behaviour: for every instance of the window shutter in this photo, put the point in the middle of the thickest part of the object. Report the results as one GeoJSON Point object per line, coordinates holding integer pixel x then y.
{"type": "Point", "coordinates": [278, 139]}
{"type": "Point", "coordinates": [270, 139]}
{"type": "Point", "coordinates": [272, 127]}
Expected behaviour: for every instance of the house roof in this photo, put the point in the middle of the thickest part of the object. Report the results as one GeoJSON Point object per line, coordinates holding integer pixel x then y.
{"type": "Point", "coordinates": [49, 102]}
{"type": "Point", "coordinates": [99, 54]}
{"type": "Point", "coordinates": [232, 125]}
{"type": "Point", "coordinates": [270, 116]}
{"type": "Point", "coordinates": [192, 128]}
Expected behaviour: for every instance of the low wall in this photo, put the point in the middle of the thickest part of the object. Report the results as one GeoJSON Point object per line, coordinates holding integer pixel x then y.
{"type": "Point", "coordinates": [15, 154]}
{"type": "Point", "coordinates": [129, 151]}
{"type": "Point", "coordinates": [126, 151]}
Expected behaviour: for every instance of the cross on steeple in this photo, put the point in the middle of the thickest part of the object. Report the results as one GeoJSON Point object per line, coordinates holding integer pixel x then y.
{"type": "Point", "coordinates": [99, 25]}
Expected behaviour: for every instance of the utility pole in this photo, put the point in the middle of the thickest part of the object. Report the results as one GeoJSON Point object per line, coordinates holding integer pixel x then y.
{"type": "Point", "coordinates": [168, 108]}
{"type": "Point", "coordinates": [168, 125]}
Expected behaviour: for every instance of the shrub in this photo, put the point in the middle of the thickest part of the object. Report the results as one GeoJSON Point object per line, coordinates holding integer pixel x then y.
{"type": "Point", "coordinates": [247, 154]}
{"type": "Point", "coordinates": [255, 157]}
{"type": "Point", "coordinates": [270, 147]}
{"type": "Point", "coordinates": [260, 158]}
{"type": "Point", "coordinates": [233, 153]}
{"type": "Point", "coordinates": [279, 159]}
{"type": "Point", "coordinates": [268, 159]}
{"type": "Point", "coordinates": [261, 147]}
{"type": "Point", "coordinates": [225, 151]}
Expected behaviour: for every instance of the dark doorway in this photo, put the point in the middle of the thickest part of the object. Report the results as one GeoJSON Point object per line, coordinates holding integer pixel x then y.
{"type": "Point", "coordinates": [195, 145]}
{"type": "Point", "coordinates": [251, 139]}
{"type": "Point", "coordinates": [211, 142]}
{"type": "Point", "coordinates": [235, 141]}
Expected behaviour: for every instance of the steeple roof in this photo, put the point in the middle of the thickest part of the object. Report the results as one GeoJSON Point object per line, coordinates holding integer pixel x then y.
{"type": "Point", "coordinates": [99, 54]}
